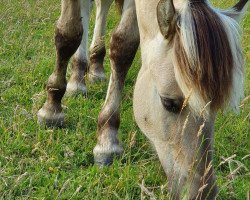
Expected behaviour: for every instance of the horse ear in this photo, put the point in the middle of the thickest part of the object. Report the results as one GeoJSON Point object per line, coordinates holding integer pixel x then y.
{"type": "Point", "coordinates": [237, 11]}
{"type": "Point", "coordinates": [166, 16]}
{"type": "Point", "coordinates": [240, 5]}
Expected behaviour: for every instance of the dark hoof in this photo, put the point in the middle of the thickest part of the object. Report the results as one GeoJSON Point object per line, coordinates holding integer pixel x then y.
{"type": "Point", "coordinates": [104, 160]}
{"type": "Point", "coordinates": [104, 156]}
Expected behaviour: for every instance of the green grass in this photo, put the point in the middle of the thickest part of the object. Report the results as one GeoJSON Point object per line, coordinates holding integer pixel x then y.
{"type": "Point", "coordinates": [36, 163]}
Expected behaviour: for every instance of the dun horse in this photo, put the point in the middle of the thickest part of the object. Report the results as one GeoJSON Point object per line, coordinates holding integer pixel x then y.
{"type": "Point", "coordinates": [192, 66]}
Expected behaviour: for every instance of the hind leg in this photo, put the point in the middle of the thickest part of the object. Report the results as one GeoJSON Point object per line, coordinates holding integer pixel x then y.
{"type": "Point", "coordinates": [123, 47]}
{"type": "Point", "coordinates": [68, 35]}
{"type": "Point", "coordinates": [97, 47]}
{"type": "Point", "coordinates": [76, 84]}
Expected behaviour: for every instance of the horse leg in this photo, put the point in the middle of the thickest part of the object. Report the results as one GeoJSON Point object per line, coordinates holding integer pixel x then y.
{"type": "Point", "coordinates": [97, 47]}
{"type": "Point", "coordinates": [68, 35]}
{"type": "Point", "coordinates": [76, 84]}
{"type": "Point", "coordinates": [123, 47]}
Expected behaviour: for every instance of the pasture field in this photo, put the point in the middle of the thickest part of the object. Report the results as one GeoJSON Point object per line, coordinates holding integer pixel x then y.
{"type": "Point", "coordinates": [38, 163]}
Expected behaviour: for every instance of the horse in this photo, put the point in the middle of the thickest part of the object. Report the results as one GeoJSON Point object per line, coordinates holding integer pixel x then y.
{"type": "Point", "coordinates": [192, 67]}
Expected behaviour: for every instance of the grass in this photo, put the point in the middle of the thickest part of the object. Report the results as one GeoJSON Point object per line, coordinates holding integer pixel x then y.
{"type": "Point", "coordinates": [37, 163]}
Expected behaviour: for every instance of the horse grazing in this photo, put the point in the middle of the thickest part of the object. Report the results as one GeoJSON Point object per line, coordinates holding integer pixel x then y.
{"type": "Point", "coordinates": [192, 66]}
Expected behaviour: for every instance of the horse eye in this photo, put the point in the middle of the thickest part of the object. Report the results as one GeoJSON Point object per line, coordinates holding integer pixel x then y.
{"type": "Point", "coordinates": [172, 105]}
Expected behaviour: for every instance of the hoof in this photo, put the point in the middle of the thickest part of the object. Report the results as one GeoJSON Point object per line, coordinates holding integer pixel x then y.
{"type": "Point", "coordinates": [50, 119]}
{"type": "Point", "coordinates": [74, 89]}
{"type": "Point", "coordinates": [104, 156]}
{"type": "Point", "coordinates": [95, 78]}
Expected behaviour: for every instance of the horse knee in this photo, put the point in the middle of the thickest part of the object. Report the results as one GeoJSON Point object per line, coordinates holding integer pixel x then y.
{"type": "Point", "coordinates": [123, 48]}
{"type": "Point", "coordinates": [69, 29]}
{"type": "Point", "coordinates": [67, 43]}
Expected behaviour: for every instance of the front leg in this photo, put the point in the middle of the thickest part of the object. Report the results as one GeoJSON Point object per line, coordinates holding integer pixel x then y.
{"type": "Point", "coordinates": [124, 44]}
{"type": "Point", "coordinates": [68, 36]}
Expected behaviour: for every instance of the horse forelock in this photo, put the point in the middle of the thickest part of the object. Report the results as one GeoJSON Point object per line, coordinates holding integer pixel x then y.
{"type": "Point", "coordinates": [207, 57]}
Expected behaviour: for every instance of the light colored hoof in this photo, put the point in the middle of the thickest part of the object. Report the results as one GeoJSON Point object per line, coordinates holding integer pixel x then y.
{"type": "Point", "coordinates": [104, 155]}
{"type": "Point", "coordinates": [95, 78]}
{"type": "Point", "coordinates": [74, 89]}
{"type": "Point", "coordinates": [50, 119]}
